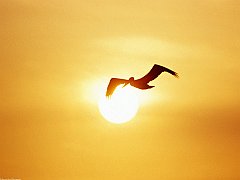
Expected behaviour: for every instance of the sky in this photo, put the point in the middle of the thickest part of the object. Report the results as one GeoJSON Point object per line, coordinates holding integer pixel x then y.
{"type": "Point", "coordinates": [57, 58]}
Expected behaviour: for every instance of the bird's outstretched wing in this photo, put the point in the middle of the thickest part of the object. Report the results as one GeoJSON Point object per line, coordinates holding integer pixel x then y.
{"type": "Point", "coordinates": [114, 82]}
{"type": "Point", "coordinates": [154, 73]}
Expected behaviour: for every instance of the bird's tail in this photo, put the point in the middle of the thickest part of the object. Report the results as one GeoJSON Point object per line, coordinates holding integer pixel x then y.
{"type": "Point", "coordinates": [172, 72]}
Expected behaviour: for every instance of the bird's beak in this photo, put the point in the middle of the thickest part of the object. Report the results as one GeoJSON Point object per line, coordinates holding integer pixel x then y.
{"type": "Point", "coordinates": [125, 85]}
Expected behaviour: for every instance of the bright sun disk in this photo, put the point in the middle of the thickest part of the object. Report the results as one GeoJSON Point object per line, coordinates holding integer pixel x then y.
{"type": "Point", "coordinates": [121, 107]}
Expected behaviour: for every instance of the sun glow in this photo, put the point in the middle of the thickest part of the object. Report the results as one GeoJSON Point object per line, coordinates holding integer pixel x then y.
{"type": "Point", "coordinates": [121, 107]}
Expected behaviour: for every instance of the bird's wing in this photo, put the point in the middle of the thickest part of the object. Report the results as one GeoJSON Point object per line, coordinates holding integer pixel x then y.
{"type": "Point", "coordinates": [154, 73]}
{"type": "Point", "coordinates": [113, 83]}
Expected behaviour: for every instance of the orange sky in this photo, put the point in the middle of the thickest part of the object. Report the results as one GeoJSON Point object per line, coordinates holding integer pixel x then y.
{"type": "Point", "coordinates": [54, 56]}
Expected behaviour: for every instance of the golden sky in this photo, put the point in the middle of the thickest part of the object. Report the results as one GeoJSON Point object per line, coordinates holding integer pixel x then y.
{"type": "Point", "coordinates": [56, 55]}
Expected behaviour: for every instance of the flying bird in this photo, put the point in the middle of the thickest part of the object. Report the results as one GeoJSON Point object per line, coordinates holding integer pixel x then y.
{"type": "Point", "coordinates": [141, 83]}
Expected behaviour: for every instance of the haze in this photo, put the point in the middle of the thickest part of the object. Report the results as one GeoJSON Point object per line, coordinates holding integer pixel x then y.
{"type": "Point", "coordinates": [56, 56]}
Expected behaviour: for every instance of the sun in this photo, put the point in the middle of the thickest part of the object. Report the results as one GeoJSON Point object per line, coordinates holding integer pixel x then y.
{"type": "Point", "coordinates": [121, 107]}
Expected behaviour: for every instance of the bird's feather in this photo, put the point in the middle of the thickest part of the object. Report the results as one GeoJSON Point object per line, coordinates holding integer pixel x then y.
{"type": "Point", "coordinates": [113, 83]}
{"type": "Point", "coordinates": [154, 73]}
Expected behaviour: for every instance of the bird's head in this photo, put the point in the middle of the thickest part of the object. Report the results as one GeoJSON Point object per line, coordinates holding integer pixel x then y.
{"type": "Point", "coordinates": [131, 79]}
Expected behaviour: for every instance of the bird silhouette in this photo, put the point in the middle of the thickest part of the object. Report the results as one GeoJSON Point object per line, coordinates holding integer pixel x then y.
{"type": "Point", "coordinates": [141, 83]}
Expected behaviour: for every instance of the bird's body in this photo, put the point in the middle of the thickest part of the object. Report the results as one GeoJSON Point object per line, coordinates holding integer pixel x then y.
{"type": "Point", "coordinates": [141, 83]}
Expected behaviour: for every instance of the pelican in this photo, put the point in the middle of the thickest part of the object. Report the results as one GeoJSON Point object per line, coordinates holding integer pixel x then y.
{"type": "Point", "coordinates": [141, 83]}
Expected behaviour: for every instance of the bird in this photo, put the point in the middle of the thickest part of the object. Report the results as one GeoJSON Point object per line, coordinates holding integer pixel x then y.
{"type": "Point", "coordinates": [141, 83]}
